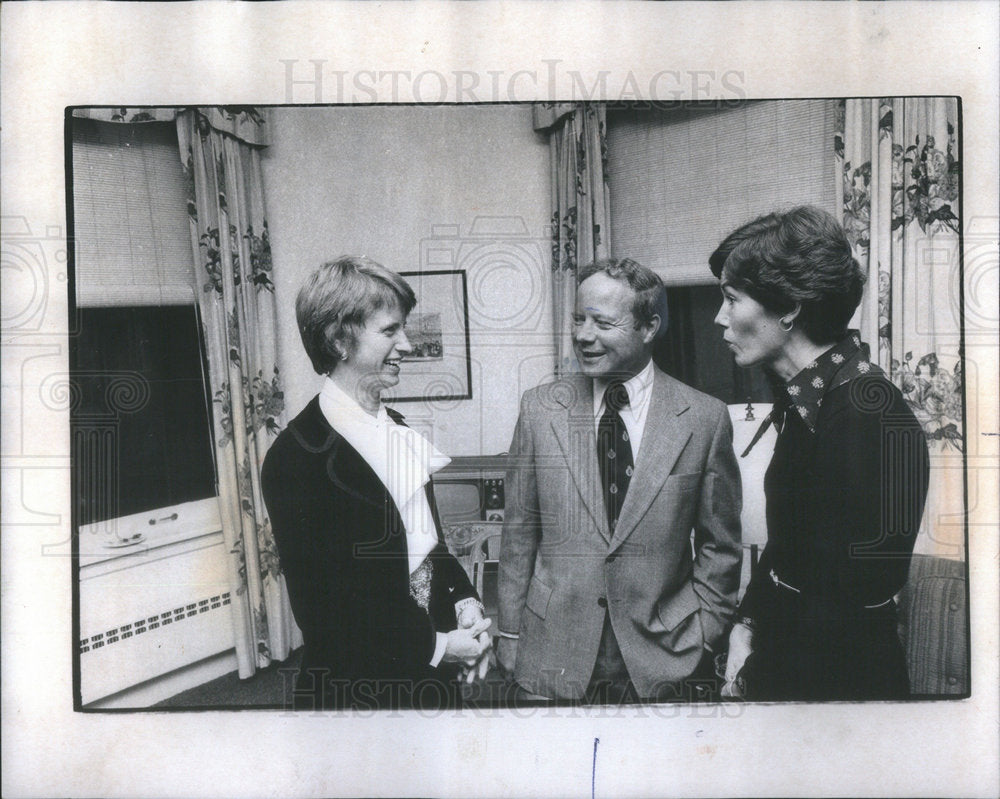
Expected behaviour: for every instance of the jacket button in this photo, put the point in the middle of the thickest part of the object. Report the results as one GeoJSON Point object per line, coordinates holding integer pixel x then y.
{"type": "Point", "coordinates": [602, 602]}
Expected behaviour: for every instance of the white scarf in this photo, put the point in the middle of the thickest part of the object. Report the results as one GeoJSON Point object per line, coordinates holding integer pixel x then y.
{"type": "Point", "coordinates": [402, 458]}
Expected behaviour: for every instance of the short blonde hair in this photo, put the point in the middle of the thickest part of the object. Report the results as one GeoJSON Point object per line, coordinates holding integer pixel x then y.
{"type": "Point", "coordinates": [337, 299]}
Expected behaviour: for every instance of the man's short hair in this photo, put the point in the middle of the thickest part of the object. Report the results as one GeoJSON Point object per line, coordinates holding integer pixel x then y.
{"type": "Point", "coordinates": [650, 295]}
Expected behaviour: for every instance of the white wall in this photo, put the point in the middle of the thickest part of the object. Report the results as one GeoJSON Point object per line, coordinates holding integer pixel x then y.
{"type": "Point", "coordinates": [382, 181]}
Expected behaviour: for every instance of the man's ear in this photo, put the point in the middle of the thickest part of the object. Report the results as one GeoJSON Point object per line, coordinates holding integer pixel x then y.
{"type": "Point", "coordinates": [650, 329]}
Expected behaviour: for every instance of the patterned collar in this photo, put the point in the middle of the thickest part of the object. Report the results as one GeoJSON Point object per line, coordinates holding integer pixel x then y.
{"type": "Point", "coordinates": [803, 394]}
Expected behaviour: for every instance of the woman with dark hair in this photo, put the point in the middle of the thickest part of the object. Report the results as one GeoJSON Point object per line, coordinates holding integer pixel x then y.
{"type": "Point", "coordinates": [388, 615]}
{"type": "Point", "coordinates": [846, 485]}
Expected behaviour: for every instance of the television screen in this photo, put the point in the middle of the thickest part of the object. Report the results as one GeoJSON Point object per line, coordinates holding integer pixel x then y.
{"type": "Point", "coordinates": [458, 500]}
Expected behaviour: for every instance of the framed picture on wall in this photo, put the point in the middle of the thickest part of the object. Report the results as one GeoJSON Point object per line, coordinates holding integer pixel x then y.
{"type": "Point", "coordinates": [439, 367]}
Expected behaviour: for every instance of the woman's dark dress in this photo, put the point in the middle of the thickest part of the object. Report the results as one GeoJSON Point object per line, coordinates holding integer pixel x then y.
{"type": "Point", "coordinates": [342, 544]}
{"type": "Point", "coordinates": [845, 493]}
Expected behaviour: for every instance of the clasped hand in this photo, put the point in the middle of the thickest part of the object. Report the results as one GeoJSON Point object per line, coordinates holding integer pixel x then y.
{"type": "Point", "coordinates": [740, 647]}
{"type": "Point", "coordinates": [471, 647]}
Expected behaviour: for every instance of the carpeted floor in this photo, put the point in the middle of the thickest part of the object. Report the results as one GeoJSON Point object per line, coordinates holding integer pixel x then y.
{"type": "Point", "coordinates": [266, 689]}
{"type": "Point", "coordinates": [269, 687]}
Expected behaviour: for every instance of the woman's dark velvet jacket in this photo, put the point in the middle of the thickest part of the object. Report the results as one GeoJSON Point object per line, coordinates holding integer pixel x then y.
{"type": "Point", "coordinates": [845, 494]}
{"type": "Point", "coordinates": [342, 546]}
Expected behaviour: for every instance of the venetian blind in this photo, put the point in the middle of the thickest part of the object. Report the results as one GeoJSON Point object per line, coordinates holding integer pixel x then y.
{"type": "Point", "coordinates": [133, 241]}
{"type": "Point", "coordinates": [682, 179]}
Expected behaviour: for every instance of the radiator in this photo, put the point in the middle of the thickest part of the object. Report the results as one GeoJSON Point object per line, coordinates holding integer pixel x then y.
{"type": "Point", "coordinates": [151, 612]}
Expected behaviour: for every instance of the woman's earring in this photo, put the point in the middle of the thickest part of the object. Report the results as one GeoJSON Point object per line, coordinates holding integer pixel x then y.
{"type": "Point", "coordinates": [786, 324]}
{"type": "Point", "coordinates": [343, 356]}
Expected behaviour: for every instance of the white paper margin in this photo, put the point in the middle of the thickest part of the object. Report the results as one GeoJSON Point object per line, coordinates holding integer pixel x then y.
{"type": "Point", "coordinates": [78, 53]}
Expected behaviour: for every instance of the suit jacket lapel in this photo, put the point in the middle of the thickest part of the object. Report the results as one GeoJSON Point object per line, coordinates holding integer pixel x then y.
{"type": "Point", "coordinates": [574, 430]}
{"type": "Point", "coordinates": [663, 439]}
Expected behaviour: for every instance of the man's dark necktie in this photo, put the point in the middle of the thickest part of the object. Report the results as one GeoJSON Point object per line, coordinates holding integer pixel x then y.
{"type": "Point", "coordinates": [614, 452]}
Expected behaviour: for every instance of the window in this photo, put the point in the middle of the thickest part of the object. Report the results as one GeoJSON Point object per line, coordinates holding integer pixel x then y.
{"type": "Point", "coordinates": [142, 430]}
{"type": "Point", "coordinates": [681, 179]}
{"type": "Point", "coordinates": [693, 350]}
{"type": "Point", "coordinates": [131, 234]}
{"type": "Point", "coordinates": [141, 446]}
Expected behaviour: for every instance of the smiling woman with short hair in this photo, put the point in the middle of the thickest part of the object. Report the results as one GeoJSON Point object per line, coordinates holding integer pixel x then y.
{"type": "Point", "coordinates": [388, 615]}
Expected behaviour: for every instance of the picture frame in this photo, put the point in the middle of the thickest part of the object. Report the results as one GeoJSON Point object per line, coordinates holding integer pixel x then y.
{"type": "Point", "coordinates": [440, 366]}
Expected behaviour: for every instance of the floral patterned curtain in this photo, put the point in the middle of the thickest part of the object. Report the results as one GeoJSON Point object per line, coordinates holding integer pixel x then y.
{"type": "Point", "coordinates": [581, 213]}
{"type": "Point", "coordinates": [232, 255]}
{"type": "Point", "coordinates": [242, 121]}
{"type": "Point", "coordinates": [899, 198]}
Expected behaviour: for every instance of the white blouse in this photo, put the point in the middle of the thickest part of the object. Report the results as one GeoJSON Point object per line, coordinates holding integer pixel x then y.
{"type": "Point", "coordinates": [402, 458]}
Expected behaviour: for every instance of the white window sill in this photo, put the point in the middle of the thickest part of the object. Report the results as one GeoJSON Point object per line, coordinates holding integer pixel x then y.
{"type": "Point", "coordinates": [173, 525]}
